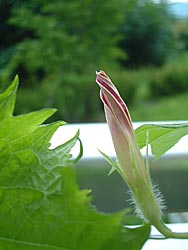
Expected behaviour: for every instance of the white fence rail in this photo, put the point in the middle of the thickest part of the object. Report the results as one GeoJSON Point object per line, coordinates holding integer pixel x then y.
{"type": "Point", "coordinates": [170, 172]}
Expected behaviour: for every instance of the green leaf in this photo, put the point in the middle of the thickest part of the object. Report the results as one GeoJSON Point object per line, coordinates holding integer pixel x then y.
{"type": "Point", "coordinates": [161, 137]}
{"type": "Point", "coordinates": [7, 99]}
{"type": "Point", "coordinates": [61, 220]}
{"type": "Point", "coordinates": [41, 206]}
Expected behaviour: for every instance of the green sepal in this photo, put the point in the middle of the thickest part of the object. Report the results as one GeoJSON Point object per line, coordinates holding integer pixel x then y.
{"type": "Point", "coordinates": [115, 165]}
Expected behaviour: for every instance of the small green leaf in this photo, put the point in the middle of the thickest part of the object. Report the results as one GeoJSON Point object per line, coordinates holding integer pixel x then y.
{"type": "Point", "coordinates": [161, 137]}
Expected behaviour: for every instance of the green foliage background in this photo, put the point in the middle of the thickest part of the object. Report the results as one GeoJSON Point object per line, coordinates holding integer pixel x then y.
{"type": "Point", "coordinates": [56, 46]}
{"type": "Point", "coordinates": [61, 45]}
{"type": "Point", "coordinates": [147, 34]}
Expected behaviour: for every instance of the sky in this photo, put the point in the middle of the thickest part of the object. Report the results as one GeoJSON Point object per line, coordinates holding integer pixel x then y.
{"type": "Point", "coordinates": [178, 1]}
{"type": "Point", "coordinates": [174, 1]}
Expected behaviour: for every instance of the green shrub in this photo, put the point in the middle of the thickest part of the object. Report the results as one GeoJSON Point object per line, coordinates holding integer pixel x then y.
{"type": "Point", "coordinates": [171, 79]}
{"type": "Point", "coordinates": [75, 96]}
{"type": "Point", "coordinates": [133, 84]}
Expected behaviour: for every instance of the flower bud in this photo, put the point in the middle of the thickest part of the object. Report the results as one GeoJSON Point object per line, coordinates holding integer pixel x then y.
{"type": "Point", "coordinates": [131, 165]}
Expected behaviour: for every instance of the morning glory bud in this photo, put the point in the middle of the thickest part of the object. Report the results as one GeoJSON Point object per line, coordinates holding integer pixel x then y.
{"type": "Point", "coordinates": [131, 165]}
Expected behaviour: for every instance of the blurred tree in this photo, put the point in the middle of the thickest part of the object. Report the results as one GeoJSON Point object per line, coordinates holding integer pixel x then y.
{"type": "Point", "coordinates": [7, 31]}
{"type": "Point", "coordinates": [180, 30]}
{"type": "Point", "coordinates": [60, 44]}
{"type": "Point", "coordinates": [147, 33]}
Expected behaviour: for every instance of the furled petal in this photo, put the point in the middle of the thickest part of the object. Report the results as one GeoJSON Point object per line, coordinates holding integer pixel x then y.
{"type": "Point", "coordinates": [112, 99]}
{"type": "Point", "coordinates": [122, 132]}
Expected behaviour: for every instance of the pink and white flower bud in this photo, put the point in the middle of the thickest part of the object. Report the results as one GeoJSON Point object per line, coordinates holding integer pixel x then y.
{"type": "Point", "coordinates": [131, 164]}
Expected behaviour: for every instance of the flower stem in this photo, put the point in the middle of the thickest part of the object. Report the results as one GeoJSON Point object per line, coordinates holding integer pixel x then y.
{"type": "Point", "coordinates": [168, 233]}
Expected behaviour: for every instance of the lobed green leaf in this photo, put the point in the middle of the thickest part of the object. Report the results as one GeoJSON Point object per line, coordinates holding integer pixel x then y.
{"type": "Point", "coordinates": [41, 206]}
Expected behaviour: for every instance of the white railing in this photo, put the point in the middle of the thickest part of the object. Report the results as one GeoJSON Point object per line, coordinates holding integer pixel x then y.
{"type": "Point", "coordinates": [170, 172]}
{"type": "Point", "coordinates": [96, 136]}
